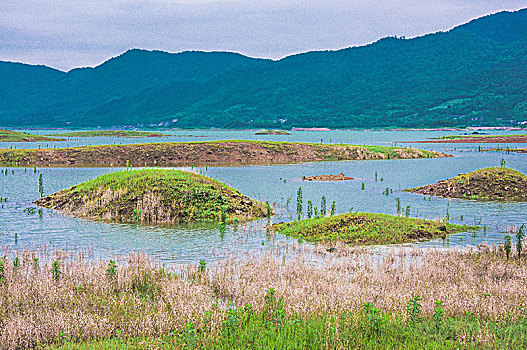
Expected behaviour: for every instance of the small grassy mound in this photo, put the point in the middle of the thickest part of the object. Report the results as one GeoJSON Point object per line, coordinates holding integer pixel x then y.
{"type": "Point", "coordinates": [155, 196]}
{"type": "Point", "coordinates": [17, 136]}
{"type": "Point", "coordinates": [339, 177]}
{"type": "Point", "coordinates": [111, 133]}
{"type": "Point", "coordinates": [499, 184]}
{"type": "Point", "coordinates": [272, 132]}
{"type": "Point", "coordinates": [367, 229]}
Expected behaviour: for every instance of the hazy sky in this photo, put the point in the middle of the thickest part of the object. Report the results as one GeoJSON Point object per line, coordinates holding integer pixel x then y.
{"type": "Point", "coordinates": [72, 33]}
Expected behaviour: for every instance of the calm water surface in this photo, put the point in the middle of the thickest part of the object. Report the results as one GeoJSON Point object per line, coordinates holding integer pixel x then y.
{"type": "Point", "coordinates": [276, 184]}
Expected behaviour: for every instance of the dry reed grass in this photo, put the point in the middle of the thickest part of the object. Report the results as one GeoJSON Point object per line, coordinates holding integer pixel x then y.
{"type": "Point", "coordinates": [143, 299]}
{"type": "Point", "coordinates": [479, 281]}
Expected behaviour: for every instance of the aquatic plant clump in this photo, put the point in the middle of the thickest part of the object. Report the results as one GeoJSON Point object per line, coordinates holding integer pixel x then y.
{"type": "Point", "coordinates": [367, 229]}
{"type": "Point", "coordinates": [155, 196]}
{"type": "Point", "coordinates": [496, 183]}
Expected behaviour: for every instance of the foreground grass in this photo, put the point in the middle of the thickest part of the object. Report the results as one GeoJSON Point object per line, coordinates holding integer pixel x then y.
{"type": "Point", "coordinates": [16, 136]}
{"type": "Point", "coordinates": [232, 152]}
{"type": "Point", "coordinates": [495, 183]}
{"type": "Point", "coordinates": [111, 133]}
{"type": "Point", "coordinates": [406, 299]}
{"type": "Point", "coordinates": [155, 196]}
{"type": "Point", "coordinates": [246, 329]}
{"type": "Point", "coordinates": [368, 228]}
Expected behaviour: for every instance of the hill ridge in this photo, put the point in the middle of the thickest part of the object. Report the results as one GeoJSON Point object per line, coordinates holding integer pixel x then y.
{"type": "Point", "coordinates": [474, 74]}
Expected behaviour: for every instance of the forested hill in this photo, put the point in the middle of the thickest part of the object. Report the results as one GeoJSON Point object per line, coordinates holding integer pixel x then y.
{"type": "Point", "coordinates": [475, 74]}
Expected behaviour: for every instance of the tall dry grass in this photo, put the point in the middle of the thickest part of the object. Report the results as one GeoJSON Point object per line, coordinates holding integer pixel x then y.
{"type": "Point", "coordinates": [480, 281]}
{"type": "Point", "coordinates": [144, 299]}
{"type": "Point", "coordinates": [86, 303]}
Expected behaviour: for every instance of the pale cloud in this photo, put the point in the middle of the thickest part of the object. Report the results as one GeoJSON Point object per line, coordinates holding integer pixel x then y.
{"type": "Point", "coordinates": [71, 33]}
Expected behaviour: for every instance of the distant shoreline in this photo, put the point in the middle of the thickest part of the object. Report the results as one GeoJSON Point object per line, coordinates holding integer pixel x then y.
{"type": "Point", "coordinates": [293, 129]}
{"type": "Point", "coordinates": [520, 138]}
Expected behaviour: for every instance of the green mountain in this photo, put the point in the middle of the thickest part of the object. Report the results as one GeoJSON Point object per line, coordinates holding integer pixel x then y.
{"type": "Point", "coordinates": [474, 74]}
{"type": "Point", "coordinates": [62, 99]}
{"type": "Point", "coordinates": [22, 87]}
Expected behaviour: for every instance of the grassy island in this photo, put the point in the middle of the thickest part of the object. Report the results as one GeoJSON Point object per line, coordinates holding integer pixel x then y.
{"type": "Point", "coordinates": [155, 196]}
{"type": "Point", "coordinates": [367, 229]}
{"type": "Point", "coordinates": [272, 132]}
{"type": "Point", "coordinates": [496, 183]}
{"type": "Point", "coordinates": [477, 139]}
{"type": "Point", "coordinates": [17, 136]}
{"type": "Point", "coordinates": [111, 133]}
{"type": "Point", "coordinates": [233, 152]}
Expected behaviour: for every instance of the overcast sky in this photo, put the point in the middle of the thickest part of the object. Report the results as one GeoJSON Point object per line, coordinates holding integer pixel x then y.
{"type": "Point", "coordinates": [70, 33]}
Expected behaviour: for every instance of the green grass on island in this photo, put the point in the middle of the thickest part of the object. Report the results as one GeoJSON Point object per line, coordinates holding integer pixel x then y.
{"type": "Point", "coordinates": [495, 183]}
{"type": "Point", "coordinates": [368, 229]}
{"type": "Point", "coordinates": [17, 136]}
{"type": "Point", "coordinates": [111, 133]}
{"type": "Point", "coordinates": [225, 152]}
{"type": "Point", "coordinates": [155, 196]}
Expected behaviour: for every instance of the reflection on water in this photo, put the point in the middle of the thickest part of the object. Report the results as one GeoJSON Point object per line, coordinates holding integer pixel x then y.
{"type": "Point", "coordinates": [276, 184]}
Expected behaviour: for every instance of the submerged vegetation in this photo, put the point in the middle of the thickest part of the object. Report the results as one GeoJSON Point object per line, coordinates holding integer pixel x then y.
{"type": "Point", "coordinates": [507, 150]}
{"type": "Point", "coordinates": [233, 152]}
{"type": "Point", "coordinates": [17, 136]}
{"type": "Point", "coordinates": [111, 133]}
{"type": "Point", "coordinates": [410, 299]}
{"type": "Point", "coordinates": [495, 183]}
{"type": "Point", "coordinates": [367, 229]}
{"type": "Point", "coordinates": [155, 196]}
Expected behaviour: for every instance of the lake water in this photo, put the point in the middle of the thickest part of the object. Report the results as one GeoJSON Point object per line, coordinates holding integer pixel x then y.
{"type": "Point", "coordinates": [276, 184]}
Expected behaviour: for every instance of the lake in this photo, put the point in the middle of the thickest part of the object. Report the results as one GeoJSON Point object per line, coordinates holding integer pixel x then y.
{"type": "Point", "coordinates": [276, 184]}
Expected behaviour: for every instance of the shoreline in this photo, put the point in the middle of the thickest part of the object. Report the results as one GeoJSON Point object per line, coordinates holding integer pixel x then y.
{"type": "Point", "coordinates": [124, 128]}
{"type": "Point", "coordinates": [476, 139]}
